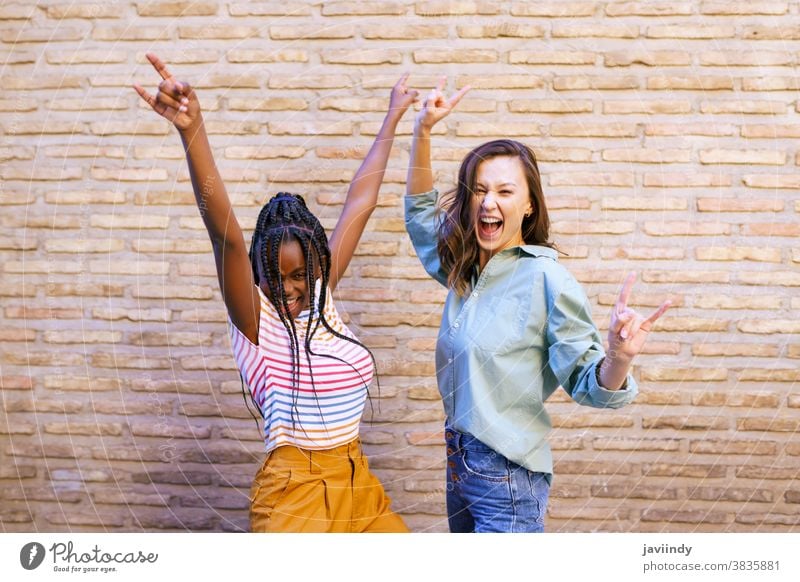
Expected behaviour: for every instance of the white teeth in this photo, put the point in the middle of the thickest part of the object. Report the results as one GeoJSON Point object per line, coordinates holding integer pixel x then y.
{"type": "Point", "coordinates": [490, 220]}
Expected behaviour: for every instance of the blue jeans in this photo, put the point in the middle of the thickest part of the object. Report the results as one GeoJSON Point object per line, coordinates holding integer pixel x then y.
{"type": "Point", "coordinates": [488, 493]}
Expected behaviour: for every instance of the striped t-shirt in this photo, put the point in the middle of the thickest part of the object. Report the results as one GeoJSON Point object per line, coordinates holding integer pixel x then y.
{"type": "Point", "coordinates": [319, 416]}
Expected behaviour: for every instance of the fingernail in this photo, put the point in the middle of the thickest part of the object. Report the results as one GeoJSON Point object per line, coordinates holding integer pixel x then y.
{"type": "Point", "coordinates": [185, 101]}
{"type": "Point", "coordinates": [624, 334]}
{"type": "Point", "coordinates": [182, 108]}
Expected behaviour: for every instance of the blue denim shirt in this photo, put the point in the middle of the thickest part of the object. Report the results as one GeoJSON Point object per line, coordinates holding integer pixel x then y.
{"type": "Point", "coordinates": [523, 329]}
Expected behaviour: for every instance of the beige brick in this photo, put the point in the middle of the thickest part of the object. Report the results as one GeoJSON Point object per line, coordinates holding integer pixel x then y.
{"type": "Point", "coordinates": [167, 246]}
{"type": "Point", "coordinates": [17, 105]}
{"type": "Point", "coordinates": [16, 199]}
{"type": "Point", "coordinates": [741, 8]}
{"type": "Point", "coordinates": [343, 127]}
{"type": "Point", "coordinates": [548, 106]}
{"type": "Point", "coordinates": [686, 276]}
{"type": "Point", "coordinates": [454, 56]}
{"type": "Point", "coordinates": [83, 383]}
{"type": "Point", "coordinates": [657, 374]}
{"type": "Point", "coordinates": [573, 420]}
{"type": "Point", "coordinates": [664, 180]}
{"type": "Point", "coordinates": [85, 197]}
{"type": "Point", "coordinates": [42, 128]}
{"type": "Point", "coordinates": [29, 313]}
{"type": "Point", "coordinates": [642, 253]}
{"type": "Point", "coordinates": [362, 57]}
{"type": "Point", "coordinates": [351, 104]}
{"type": "Point", "coordinates": [737, 302]}
{"type": "Point", "coordinates": [648, 8]}
{"type": "Point", "coordinates": [553, 9]}
{"type": "Point", "coordinates": [101, 245]}
{"type": "Point", "coordinates": [483, 129]}
{"type": "Point", "coordinates": [768, 327]}
{"type": "Point", "coordinates": [626, 491]}
{"type": "Point", "coordinates": [47, 267]}
{"type": "Point", "coordinates": [266, 56]}
{"type": "Point", "coordinates": [83, 428]}
{"type": "Point", "coordinates": [594, 31]}
{"type": "Point", "coordinates": [189, 8]}
{"type": "Point", "coordinates": [648, 58]}
{"type": "Point", "coordinates": [648, 156]}
{"type": "Point", "coordinates": [683, 470]}
{"type": "Point", "coordinates": [769, 375]}
{"type": "Point", "coordinates": [596, 83]}
{"type": "Point", "coordinates": [455, 7]}
{"type": "Point", "coordinates": [771, 229]}
{"type": "Point", "coordinates": [671, 107]}
{"type": "Point", "coordinates": [555, 154]}
{"type": "Point", "coordinates": [700, 83]}
{"type": "Point", "coordinates": [686, 228]}
{"type": "Point", "coordinates": [500, 30]}
{"type": "Point", "coordinates": [593, 129]}
{"type": "Point", "coordinates": [263, 152]}
{"type": "Point", "coordinates": [363, 8]}
{"type": "Point", "coordinates": [703, 129]}
{"type": "Point", "coordinates": [754, 157]}
{"type": "Point", "coordinates": [123, 33]}
{"type": "Point", "coordinates": [83, 337]}
{"type": "Point", "coordinates": [406, 32]}
{"type": "Point", "coordinates": [739, 205]}
{"type": "Point", "coordinates": [772, 181]}
{"type": "Point", "coordinates": [691, 324]}
{"type": "Point", "coordinates": [771, 132]}
{"type": "Point", "coordinates": [17, 12]}
{"type": "Point", "coordinates": [268, 9]}
{"type": "Point", "coordinates": [174, 339]}
{"type": "Point", "coordinates": [137, 222]}
{"type": "Point", "coordinates": [595, 227]}
{"type": "Point", "coordinates": [743, 107]}
{"type": "Point", "coordinates": [733, 447]}
{"type": "Point", "coordinates": [691, 31]}
{"type": "Point", "coordinates": [309, 32]}
{"type": "Point", "coordinates": [746, 59]}
{"type": "Point", "coordinates": [768, 424]}
{"type": "Point", "coordinates": [770, 255]}
{"type": "Point", "coordinates": [118, 313]}
{"type": "Point", "coordinates": [748, 400]}
{"type": "Point", "coordinates": [550, 58]}
{"type": "Point", "coordinates": [500, 81]}
{"type": "Point", "coordinates": [771, 33]}
{"type": "Point", "coordinates": [635, 444]}
{"type": "Point", "coordinates": [771, 83]}
{"type": "Point", "coordinates": [739, 494]}
{"type": "Point", "coordinates": [735, 349]}
{"type": "Point", "coordinates": [119, 361]}
{"type": "Point", "coordinates": [218, 32]}
{"type": "Point", "coordinates": [77, 57]}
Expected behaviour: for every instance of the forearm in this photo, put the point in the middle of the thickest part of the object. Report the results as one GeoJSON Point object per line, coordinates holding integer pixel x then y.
{"type": "Point", "coordinates": [209, 190]}
{"type": "Point", "coordinates": [368, 179]}
{"type": "Point", "coordinates": [614, 371]}
{"type": "Point", "coordinates": [420, 175]}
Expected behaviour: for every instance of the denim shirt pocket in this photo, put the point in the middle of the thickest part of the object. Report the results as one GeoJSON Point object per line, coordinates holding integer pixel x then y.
{"type": "Point", "coordinates": [498, 323]}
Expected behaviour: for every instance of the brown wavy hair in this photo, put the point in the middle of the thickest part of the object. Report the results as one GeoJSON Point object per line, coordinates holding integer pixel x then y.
{"type": "Point", "coordinates": [457, 243]}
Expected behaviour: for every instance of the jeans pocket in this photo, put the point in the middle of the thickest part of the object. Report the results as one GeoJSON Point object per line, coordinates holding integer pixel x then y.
{"type": "Point", "coordinates": [487, 465]}
{"type": "Point", "coordinates": [540, 491]}
{"type": "Point", "coordinates": [269, 487]}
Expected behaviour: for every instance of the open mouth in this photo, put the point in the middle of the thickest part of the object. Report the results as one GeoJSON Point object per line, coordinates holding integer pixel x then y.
{"type": "Point", "coordinates": [489, 227]}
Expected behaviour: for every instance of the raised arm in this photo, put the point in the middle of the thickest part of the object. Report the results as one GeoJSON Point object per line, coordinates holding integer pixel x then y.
{"type": "Point", "coordinates": [435, 108]}
{"type": "Point", "coordinates": [176, 101]}
{"type": "Point", "coordinates": [362, 196]}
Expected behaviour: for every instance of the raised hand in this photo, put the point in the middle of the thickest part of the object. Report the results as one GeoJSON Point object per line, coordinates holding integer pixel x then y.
{"type": "Point", "coordinates": [436, 106]}
{"type": "Point", "coordinates": [175, 100]}
{"type": "Point", "coordinates": [628, 330]}
{"type": "Point", "coordinates": [402, 97]}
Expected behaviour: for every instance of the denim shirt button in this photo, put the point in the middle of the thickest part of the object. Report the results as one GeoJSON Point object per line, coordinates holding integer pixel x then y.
{"type": "Point", "coordinates": [456, 324]}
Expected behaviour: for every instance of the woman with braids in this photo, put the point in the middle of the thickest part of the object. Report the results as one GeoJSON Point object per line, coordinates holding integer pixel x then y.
{"type": "Point", "coordinates": [516, 325]}
{"type": "Point", "coordinates": [306, 372]}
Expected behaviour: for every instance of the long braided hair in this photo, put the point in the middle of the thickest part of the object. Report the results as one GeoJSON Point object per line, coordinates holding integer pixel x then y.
{"type": "Point", "coordinates": [284, 218]}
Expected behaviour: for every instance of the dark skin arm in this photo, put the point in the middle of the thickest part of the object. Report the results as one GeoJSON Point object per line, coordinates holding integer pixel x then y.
{"type": "Point", "coordinates": [177, 102]}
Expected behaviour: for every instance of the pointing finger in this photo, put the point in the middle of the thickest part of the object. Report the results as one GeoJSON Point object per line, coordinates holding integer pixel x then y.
{"type": "Point", "coordinates": [659, 312]}
{"type": "Point", "coordinates": [625, 294]}
{"type": "Point", "coordinates": [159, 66]}
{"type": "Point", "coordinates": [457, 97]}
{"type": "Point", "coordinates": [402, 81]}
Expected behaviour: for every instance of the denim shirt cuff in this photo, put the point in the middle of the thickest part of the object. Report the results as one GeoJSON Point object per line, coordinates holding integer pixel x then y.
{"type": "Point", "coordinates": [611, 398]}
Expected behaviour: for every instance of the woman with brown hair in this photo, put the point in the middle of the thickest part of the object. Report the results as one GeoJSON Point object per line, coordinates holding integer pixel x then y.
{"type": "Point", "coordinates": [516, 326]}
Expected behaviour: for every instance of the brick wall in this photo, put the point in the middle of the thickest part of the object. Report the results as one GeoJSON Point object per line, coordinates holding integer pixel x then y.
{"type": "Point", "coordinates": [667, 134]}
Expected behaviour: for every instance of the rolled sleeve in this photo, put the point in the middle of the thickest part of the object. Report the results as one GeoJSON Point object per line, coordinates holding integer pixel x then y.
{"type": "Point", "coordinates": [420, 215]}
{"type": "Point", "coordinates": [576, 349]}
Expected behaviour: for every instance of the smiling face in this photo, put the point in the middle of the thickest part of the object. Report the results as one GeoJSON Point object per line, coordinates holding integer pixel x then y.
{"type": "Point", "coordinates": [292, 265]}
{"type": "Point", "coordinates": [500, 203]}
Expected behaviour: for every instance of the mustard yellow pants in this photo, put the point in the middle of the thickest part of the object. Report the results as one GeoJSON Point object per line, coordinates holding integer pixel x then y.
{"type": "Point", "coordinates": [333, 490]}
